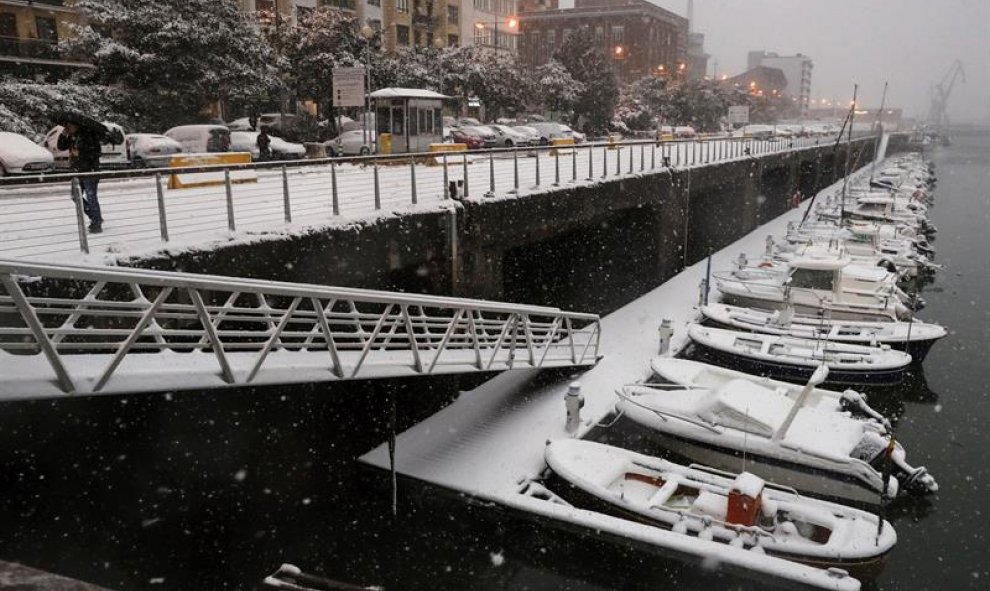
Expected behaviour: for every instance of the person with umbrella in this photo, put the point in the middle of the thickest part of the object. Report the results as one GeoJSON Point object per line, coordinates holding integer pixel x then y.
{"type": "Point", "coordinates": [83, 137]}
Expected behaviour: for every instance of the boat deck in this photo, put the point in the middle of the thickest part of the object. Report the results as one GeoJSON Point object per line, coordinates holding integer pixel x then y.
{"type": "Point", "coordinates": [489, 443]}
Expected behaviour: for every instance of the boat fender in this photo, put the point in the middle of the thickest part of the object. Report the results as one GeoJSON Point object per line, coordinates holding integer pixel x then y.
{"type": "Point", "coordinates": [574, 402]}
{"type": "Point", "coordinates": [706, 534]}
{"type": "Point", "coordinates": [680, 527]}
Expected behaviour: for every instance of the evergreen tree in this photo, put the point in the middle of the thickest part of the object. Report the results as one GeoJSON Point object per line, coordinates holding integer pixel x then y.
{"type": "Point", "coordinates": [588, 63]}
{"type": "Point", "coordinates": [176, 57]}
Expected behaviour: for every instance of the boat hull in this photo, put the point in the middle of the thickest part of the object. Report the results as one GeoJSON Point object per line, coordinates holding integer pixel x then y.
{"type": "Point", "coordinates": [835, 486]}
{"type": "Point", "coordinates": [800, 373]}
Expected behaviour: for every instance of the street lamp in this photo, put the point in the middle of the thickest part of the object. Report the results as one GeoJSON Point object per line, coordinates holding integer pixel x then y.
{"type": "Point", "coordinates": [368, 33]}
{"type": "Point", "coordinates": [510, 22]}
{"type": "Point", "coordinates": [439, 45]}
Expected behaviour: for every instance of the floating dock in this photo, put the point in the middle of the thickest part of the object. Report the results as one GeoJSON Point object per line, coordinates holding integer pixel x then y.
{"type": "Point", "coordinates": [489, 443]}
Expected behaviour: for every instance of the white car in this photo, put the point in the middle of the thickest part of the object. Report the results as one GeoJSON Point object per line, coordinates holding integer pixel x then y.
{"type": "Point", "coordinates": [754, 131]}
{"type": "Point", "coordinates": [197, 139]}
{"type": "Point", "coordinates": [271, 120]}
{"type": "Point", "coordinates": [247, 141]}
{"type": "Point", "coordinates": [506, 137]}
{"type": "Point", "coordinates": [530, 132]}
{"type": "Point", "coordinates": [150, 150]}
{"type": "Point", "coordinates": [352, 143]}
{"type": "Point", "coordinates": [684, 132]}
{"type": "Point", "coordinates": [112, 155]}
{"type": "Point", "coordinates": [19, 155]}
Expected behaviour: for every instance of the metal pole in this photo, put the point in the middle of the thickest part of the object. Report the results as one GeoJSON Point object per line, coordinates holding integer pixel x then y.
{"type": "Point", "coordinates": [632, 159]}
{"type": "Point", "coordinates": [230, 200]}
{"type": "Point", "coordinates": [591, 162]}
{"type": "Point", "coordinates": [618, 160]}
{"type": "Point", "coordinates": [515, 170]}
{"type": "Point", "coordinates": [285, 196]}
{"type": "Point", "coordinates": [491, 174]}
{"type": "Point", "coordinates": [80, 216]}
{"type": "Point", "coordinates": [642, 157]}
{"type": "Point", "coordinates": [333, 186]}
{"type": "Point", "coordinates": [162, 222]}
{"type": "Point", "coordinates": [604, 161]}
{"type": "Point", "coordinates": [653, 157]}
{"type": "Point", "coordinates": [412, 177]}
{"type": "Point", "coordinates": [378, 193]}
{"type": "Point", "coordinates": [574, 164]}
{"type": "Point", "coordinates": [465, 176]}
{"type": "Point", "coordinates": [556, 166]}
{"type": "Point", "coordinates": [537, 168]}
{"type": "Point", "coordinates": [446, 178]}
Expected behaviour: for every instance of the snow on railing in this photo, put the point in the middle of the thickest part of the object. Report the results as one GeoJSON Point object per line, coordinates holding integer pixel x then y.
{"type": "Point", "coordinates": [84, 330]}
{"type": "Point", "coordinates": [145, 213]}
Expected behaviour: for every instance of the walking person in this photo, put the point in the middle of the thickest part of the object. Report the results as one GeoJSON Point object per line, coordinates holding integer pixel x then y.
{"type": "Point", "coordinates": [264, 144]}
{"type": "Point", "coordinates": [85, 147]}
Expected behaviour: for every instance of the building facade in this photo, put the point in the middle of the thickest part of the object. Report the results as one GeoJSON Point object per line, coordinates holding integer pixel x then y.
{"type": "Point", "coordinates": [421, 23]}
{"type": "Point", "coordinates": [796, 68]}
{"type": "Point", "coordinates": [641, 38]}
{"type": "Point", "coordinates": [492, 24]}
{"type": "Point", "coordinates": [29, 37]}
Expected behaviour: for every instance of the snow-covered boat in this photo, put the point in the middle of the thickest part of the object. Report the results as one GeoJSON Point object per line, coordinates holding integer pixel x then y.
{"type": "Point", "coordinates": [687, 373]}
{"type": "Point", "coordinates": [829, 284]}
{"type": "Point", "coordinates": [742, 424]}
{"type": "Point", "coordinates": [795, 359]}
{"type": "Point", "coordinates": [916, 338]}
{"type": "Point", "coordinates": [740, 510]}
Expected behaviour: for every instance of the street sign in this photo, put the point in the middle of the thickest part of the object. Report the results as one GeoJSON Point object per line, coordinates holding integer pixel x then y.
{"type": "Point", "coordinates": [348, 87]}
{"type": "Point", "coordinates": [739, 114]}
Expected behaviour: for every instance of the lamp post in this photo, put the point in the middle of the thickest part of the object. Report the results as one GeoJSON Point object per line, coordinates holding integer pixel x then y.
{"type": "Point", "coordinates": [439, 45]}
{"type": "Point", "coordinates": [368, 33]}
{"type": "Point", "coordinates": [510, 22]}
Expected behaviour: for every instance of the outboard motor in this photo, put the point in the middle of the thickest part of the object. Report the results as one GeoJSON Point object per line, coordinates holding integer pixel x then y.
{"type": "Point", "coordinates": [888, 265]}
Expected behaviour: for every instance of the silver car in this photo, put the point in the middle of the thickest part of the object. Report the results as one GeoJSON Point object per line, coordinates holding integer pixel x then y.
{"type": "Point", "coordinates": [507, 137]}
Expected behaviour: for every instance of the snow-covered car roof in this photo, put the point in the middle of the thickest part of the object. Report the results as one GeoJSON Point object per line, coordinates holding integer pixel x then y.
{"type": "Point", "coordinates": [15, 150]}
{"type": "Point", "coordinates": [407, 93]}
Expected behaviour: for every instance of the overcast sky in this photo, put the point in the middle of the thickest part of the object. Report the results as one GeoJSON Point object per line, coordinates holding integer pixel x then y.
{"type": "Point", "coordinates": [909, 43]}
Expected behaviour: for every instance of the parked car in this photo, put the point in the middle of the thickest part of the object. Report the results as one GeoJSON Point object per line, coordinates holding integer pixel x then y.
{"type": "Point", "coordinates": [506, 137]}
{"type": "Point", "coordinates": [352, 143]}
{"type": "Point", "coordinates": [684, 132]}
{"type": "Point", "coordinates": [468, 136]}
{"type": "Point", "coordinates": [271, 120]}
{"type": "Point", "coordinates": [530, 132]}
{"type": "Point", "coordinates": [471, 121]}
{"type": "Point", "coordinates": [150, 150]}
{"type": "Point", "coordinates": [756, 131]}
{"type": "Point", "coordinates": [201, 138]}
{"type": "Point", "coordinates": [19, 155]}
{"type": "Point", "coordinates": [551, 131]}
{"type": "Point", "coordinates": [487, 135]}
{"type": "Point", "coordinates": [112, 155]}
{"type": "Point", "coordinates": [247, 141]}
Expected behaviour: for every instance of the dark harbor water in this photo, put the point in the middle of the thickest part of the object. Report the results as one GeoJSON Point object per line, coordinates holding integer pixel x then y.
{"type": "Point", "coordinates": [195, 492]}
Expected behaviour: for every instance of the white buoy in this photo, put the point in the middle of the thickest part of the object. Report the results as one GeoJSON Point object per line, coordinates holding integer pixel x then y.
{"type": "Point", "coordinates": [742, 261]}
{"type": "Point", "coordinates": [574, 401]}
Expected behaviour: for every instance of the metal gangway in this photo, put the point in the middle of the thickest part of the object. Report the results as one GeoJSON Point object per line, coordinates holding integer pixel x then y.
{"type": "Point", "coordinates": [78, 330]}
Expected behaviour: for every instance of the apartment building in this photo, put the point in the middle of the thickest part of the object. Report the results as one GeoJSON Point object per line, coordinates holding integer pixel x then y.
{"type": "Point", "coordinates": [797, 68]}
{"type": "Point", "coordinates": [29, 37]}
{"type": "Point", "coordinates": [422, 23]}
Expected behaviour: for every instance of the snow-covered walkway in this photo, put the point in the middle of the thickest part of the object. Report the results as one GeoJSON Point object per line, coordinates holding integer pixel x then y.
{"type": "Point", "coordinates": [40, 222]}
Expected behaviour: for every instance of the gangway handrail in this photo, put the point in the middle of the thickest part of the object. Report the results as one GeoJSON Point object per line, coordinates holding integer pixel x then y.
{"type": "Point", "coordinates": [98, 329]}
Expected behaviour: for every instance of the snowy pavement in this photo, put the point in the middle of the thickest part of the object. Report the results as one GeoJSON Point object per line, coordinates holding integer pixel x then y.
{"type": "Point", "coordinates": [39, 222]}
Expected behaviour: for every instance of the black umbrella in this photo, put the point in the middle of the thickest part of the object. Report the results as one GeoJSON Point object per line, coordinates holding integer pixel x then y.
{"type": "Point", "coordinates": [84, 122]}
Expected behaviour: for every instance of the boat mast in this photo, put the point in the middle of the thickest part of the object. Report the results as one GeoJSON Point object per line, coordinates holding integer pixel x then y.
{"type": "Point", "coordinates": [876, 151]}
{"type": "Point", "coordinates": [849, 135]}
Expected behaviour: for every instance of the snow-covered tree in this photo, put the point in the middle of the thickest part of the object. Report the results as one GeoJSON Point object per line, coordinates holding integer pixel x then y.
{"type": "Point", "coordinates": [556, 88]}
{"type": "Point", "coordinates": [27, 107]}
{"type": "Point", "coordinates": [324, 39]}
{"type": "Point", "coordinates": [175, 56]}
{"type": "Point", "coordinates": [584, 58]}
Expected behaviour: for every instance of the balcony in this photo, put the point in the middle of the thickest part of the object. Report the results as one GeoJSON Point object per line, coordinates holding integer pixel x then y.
{"type": "Point", "coordinates": [29, 48]}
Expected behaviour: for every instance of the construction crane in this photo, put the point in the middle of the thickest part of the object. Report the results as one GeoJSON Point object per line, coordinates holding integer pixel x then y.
{"type": "Point", "coordinates": [938, 117]}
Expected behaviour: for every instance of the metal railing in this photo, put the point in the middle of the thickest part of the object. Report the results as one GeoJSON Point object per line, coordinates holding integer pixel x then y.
{"type": "Point", "coordinates": [90, 330]}
{"type": "Point", "coordinates": [144, 213]}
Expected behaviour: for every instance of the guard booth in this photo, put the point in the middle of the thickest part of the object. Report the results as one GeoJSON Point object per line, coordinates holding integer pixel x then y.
{"type": "Point", "coordinates": [407, 119]}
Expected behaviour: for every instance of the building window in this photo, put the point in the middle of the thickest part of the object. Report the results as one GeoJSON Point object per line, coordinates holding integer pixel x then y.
{"type": "Point", "coordinates": [453, 40]}
{"type": "Point", "coordinates": [401, 35]}
{"type": "Point", "coordinates": [453, 14]}
{"type": "Point", "coordinates": [47, 29]}
{"type": "Point", "coordinates": [375, 24]}
{"type": "Point", "coordinates": [8, 26]}
{"type": "Point", "coordinates": [599, 33]}
{"type": "Point", "coordinates": [551, 38]}
{"type": "Point", "coordinates": [402, 6]}
{"type": "Point", "coordinates": [375, 3]}
{"type": "Point", "coordinates": [618, 33]}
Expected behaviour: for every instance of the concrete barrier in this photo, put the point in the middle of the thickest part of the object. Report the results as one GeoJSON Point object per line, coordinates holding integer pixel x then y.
{"type": "Point", "coordinates": [180, 180]}
{"type": "Point", "coordinates": [456, 153]}
{"type": "Point", "coordinates": [562, 145]}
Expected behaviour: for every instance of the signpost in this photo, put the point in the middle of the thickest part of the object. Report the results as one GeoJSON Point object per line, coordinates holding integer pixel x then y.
{"type": "Point", "coordinates": [348, 89]}
{"type": "Point", "coordinates": [739, 115]}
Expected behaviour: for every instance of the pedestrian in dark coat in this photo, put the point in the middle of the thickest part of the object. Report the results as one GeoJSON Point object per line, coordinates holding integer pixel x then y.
{"type": "Point", "coordinates": [85, 147]}
{"type": "Point", "coordinates": [264, 145]}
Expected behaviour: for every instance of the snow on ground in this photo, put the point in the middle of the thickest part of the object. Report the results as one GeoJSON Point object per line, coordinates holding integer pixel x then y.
{"type": "Point", "coordinates": [40, 222]}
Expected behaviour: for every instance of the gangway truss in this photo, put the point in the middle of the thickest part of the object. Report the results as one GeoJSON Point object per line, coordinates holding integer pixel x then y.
{"type": "Point", "coordinates": [79, 330]}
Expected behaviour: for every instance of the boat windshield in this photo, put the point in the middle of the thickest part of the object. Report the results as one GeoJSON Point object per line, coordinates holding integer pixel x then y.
{"type": "Point", "coordinates": [812, 279]}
